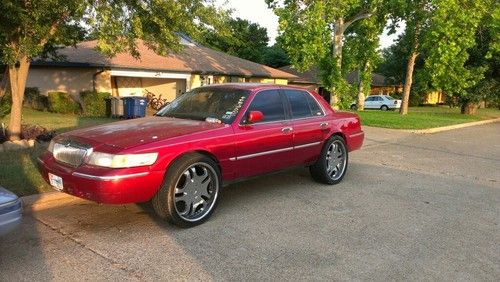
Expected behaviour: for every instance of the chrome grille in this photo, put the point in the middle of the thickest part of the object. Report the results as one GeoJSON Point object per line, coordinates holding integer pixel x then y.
{"type": "Point", "coordinates": [70, 153]}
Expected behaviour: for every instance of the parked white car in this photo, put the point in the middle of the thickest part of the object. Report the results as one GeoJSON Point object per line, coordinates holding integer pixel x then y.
{"type": "Point", "coordinates": [382, 102]}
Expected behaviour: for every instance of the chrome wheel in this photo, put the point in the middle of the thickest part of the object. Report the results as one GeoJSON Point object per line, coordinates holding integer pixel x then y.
{"type": "Point", "coordinates": [336, 160]}
{"type": "Point", "coordinates": [196, 192]}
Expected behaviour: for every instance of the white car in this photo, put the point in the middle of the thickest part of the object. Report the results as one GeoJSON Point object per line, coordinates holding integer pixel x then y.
{"type": "Point", "coordinates": [382, 102]}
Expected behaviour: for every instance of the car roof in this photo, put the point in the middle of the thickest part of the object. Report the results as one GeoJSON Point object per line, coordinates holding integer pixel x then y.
{"type": "Point", "coordinates": [252, 86]}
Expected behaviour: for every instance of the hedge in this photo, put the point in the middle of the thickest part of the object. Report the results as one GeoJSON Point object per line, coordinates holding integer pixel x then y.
{"type": "Point", "coordinates": [63, 103]}
{"type": "Point", "coordinates": [5, 104]}
{"type": "Point", "coordinates": [94, 103]}
{"type": "Point", "coordinates": [34, 100]}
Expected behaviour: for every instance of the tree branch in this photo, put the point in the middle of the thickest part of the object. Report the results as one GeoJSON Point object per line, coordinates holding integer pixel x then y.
{"type": "Point", "coordinates": [359, 16]}
{"type": "Point", "coordinates": [53, 29]}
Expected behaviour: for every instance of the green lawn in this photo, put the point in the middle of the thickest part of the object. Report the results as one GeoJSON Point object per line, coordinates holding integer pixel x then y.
{"type": "Point", "coordinates": [423, 117]}
{"type": "Point", "coordinates": [18, 171]}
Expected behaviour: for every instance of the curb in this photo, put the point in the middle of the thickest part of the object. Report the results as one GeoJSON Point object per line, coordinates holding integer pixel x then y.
{"type": "Point", "coordinates": [38, 199]}
{"type": "Point", "coordinates": [451, 127]}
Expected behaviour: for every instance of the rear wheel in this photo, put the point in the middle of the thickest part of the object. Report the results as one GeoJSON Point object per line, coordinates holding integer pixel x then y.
{"type": "Point", "coordinates": [331, 166]}
{"type": "Point", "coordinates": [190, 191]}
{"type": "Point", "coordinates": [354, 107]}
{"type": "Point", "coordinates": [384, 108]}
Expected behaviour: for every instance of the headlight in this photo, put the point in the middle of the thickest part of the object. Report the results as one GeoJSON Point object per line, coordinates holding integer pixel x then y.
{"type": "Point", "coordinates": [121, 161]}
{"type": "Point", "coordinates": [51, 146]}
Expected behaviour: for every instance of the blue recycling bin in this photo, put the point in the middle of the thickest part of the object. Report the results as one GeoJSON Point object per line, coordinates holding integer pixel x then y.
{"type": "Point", "coordinates": [135, 107]}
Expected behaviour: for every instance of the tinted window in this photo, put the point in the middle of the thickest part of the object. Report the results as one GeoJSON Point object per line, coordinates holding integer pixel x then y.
{"type": "Point", "coordinates": [379, 99]}
{"type": "Point", "coordinates": [302, 104]}
{"type": "Point", "coordinates": [369, 99]}
{"type": "Point", "coordinates": [270, 104]}
{"type": "Point", "coordinates": [298, 103]}
{"type": "Point", "coordinates": [313, 104]}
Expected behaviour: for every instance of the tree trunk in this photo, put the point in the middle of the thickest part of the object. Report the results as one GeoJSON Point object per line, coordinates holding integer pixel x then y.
{"type": "Point", "coordinates": [337, 56]}
{"type": "Point", "coordinates": [17, 76]}
{"type": "Point", "coordinates": [408, 81]}
{"type": "Point", "coordinates": [468, 108]}
{"type": "Point", "coordinates": [361, 89]}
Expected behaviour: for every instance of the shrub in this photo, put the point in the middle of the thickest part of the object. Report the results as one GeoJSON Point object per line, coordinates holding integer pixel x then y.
{"type": "Point", "coordinates": [31, 131]}
{"type": "Point", "coordinates": [34, 100]}
{"type": "Point", "coordinates": [63, 103]}
{"type": "Point", "coordinates": [94, 103]}
{"type": "Point", "coordinates": [5, 104]}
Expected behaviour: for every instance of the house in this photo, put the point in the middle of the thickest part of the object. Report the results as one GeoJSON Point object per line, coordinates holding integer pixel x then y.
{"type": "Point", "coordinates": [311, 80]}
{"type": "Point", "coordinates": [84, 68]}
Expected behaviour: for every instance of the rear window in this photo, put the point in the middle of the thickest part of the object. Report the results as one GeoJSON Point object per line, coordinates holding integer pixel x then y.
{"type": "Point", "coordinates": [302, 104]}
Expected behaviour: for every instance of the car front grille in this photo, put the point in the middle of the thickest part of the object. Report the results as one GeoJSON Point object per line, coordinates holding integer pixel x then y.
{"type": "Point", "coordinates": [70, 153]}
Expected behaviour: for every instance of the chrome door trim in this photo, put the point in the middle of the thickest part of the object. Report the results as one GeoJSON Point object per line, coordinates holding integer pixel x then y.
{"type": "Point", "coordinates": [274, 151]}
{"type": "Point", "coordinates": [307, 145]}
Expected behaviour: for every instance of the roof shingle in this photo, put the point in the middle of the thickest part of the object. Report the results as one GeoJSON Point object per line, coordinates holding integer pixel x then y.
{"type": "Point", "coordinates": [192, 59]}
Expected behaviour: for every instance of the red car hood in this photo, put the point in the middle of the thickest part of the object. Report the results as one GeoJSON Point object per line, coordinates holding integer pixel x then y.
{"type": "Point", "coordinates": [129, 133]}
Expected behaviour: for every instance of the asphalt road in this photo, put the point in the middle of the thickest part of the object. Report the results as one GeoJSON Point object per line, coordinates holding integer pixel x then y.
{"type": "Point", "coordinates": [415, 207]}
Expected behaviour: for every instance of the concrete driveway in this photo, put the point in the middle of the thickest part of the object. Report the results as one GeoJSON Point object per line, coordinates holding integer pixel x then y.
{"type": "Point", "coordinates": [417, 207]}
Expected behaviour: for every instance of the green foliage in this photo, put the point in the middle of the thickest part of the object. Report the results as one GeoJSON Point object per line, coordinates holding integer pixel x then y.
{"type": "Point", "coordinates": [94, 103]}
{"type": "Point", "coordinates": [245, 40]}
{"type": "Point", "coordinates": [5, 104]}
{"type": "Point", "coordinates": [275, 57]}
{"type": "Point", "coordinates": [63, 103]}
{"type": "Point", "coordinates": [450, 34]}
{"type": "Point", "coordinates": [34, 100]}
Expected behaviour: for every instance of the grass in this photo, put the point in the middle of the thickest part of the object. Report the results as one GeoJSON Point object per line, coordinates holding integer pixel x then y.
{"type": "Point", "coordinates": [423, 117]}
{"type": "Point", "coordinates": [18, 171]}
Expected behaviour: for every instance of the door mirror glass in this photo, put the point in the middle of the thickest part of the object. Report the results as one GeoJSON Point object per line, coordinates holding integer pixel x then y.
{"type": "Point", "coordinates": [255, 116]}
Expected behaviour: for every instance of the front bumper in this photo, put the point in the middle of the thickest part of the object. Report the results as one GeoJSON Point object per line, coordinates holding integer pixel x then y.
{"type": "Point", "coordinates": [104, 185]}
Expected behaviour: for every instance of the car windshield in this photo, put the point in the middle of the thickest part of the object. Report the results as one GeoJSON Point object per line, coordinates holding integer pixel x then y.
{"type": "Point", "coordinates": [209, 103]}
{"type": "Point", "coordinates": [389, 98]}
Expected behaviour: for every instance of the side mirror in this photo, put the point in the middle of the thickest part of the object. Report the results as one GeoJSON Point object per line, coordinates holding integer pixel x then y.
{"type": "Point", "coordinates": [255, 116]}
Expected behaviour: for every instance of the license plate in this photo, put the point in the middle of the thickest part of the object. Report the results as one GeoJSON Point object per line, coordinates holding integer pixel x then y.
{"type": "Point", "coordinates": [56, 182]}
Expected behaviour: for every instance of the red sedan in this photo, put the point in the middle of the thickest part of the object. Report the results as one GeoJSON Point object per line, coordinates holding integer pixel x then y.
{"type": "Point", "coordinates": [211, 136]}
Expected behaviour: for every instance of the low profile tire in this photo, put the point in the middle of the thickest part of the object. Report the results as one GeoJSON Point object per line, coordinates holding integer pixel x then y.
{"type": "Point", "coordinates": [331, 166]}
{"type": "Point", "coordinates": [384, 108]}
{"type": "Point", "coordinates": [190, 191]}
{"type": "Point", "coordinates": [354, 107]}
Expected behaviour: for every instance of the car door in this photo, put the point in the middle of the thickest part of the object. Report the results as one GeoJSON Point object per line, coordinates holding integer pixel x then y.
{"type": "Point", "coordinates": [264, 146]}
{"type": "Point", "coordinates": [309, 125]}
{"type": "Point", "coordinates": [378, 102]}
{"type": "Point", "coordinates": [369, 102]}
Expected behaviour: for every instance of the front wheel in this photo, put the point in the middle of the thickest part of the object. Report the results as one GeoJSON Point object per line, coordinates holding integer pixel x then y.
{"type": "Point", "coordinates": [190, 191]}
{"type": "Point", "coordinates": [354, 107]}
{"type": "Point", "coordinates": [331, 166]}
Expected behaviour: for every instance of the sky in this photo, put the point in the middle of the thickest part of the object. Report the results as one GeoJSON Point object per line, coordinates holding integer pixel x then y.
{"type": "Point", "coordinates": [256, 11]}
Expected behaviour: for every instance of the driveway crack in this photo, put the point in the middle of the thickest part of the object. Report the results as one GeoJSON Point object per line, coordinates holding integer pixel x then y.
{"type": "Point", "coordinates": [130, 272]}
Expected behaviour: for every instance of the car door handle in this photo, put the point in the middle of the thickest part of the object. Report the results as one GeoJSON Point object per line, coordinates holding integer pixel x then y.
{"type": "Point", "coordinates": [323, 124]}
{"type": "Point", "coordinates": [286, 129]}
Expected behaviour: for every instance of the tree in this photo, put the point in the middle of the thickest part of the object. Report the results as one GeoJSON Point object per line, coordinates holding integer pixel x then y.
{"type": "Point", "coordinates": [362, 53]}
{"type": "Point", "coordinates": [416, 15]}
{"type": "Point", "coordinates": [31, 28]}
{"type": "Point", "coordinates": [245, 40]}
{"type": "Point", "coordinates": [459, 50]}
{"type": "Point", "coordinates": [313, 34]}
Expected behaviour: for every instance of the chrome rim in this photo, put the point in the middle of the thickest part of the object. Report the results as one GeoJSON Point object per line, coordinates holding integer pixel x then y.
{"type": "Point", "coordinates": [196, 191]}
{"type": "Point", "coordinates": [335, 160]}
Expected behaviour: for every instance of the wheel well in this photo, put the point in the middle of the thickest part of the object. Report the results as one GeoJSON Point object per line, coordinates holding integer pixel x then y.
{"type": "Point", "coordinates": [201, 152]}
{"type": "Point", "coordinates": [339, 134]}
